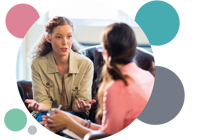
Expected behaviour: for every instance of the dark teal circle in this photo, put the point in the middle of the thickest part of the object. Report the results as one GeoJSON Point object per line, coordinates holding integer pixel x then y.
{"type": "Point", "coordinates": [160, 20]}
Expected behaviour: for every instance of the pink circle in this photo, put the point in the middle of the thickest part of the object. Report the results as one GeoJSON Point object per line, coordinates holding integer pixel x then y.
{"type": "Point", "coordinates": [20, 18]}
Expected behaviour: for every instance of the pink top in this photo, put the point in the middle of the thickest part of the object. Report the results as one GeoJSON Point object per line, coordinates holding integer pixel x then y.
{"type": "Point", "coordinates": [123, 104]}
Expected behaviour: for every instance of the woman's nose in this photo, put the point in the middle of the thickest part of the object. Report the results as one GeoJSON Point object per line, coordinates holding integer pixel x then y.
{"type": "Point", "coordinates": [65, 41]}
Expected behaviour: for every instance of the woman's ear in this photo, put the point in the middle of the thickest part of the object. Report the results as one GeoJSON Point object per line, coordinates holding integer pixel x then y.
{"type": "Point", "coordinates": [48, 38]}
{"type": "Point", "coordinates": [105, 55]}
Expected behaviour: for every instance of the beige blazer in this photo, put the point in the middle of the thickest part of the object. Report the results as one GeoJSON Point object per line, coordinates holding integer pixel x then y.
{"type": "Point", "coordinates": [47, 81]}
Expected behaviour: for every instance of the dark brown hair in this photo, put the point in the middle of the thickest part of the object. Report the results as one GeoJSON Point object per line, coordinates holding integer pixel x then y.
{"type": "Point", "coordinates": [44, 47]}
{"type": "Point", "coordinates": [120, 42]}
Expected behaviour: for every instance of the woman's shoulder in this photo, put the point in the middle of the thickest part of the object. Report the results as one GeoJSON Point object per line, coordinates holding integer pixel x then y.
{"type": "Point", "coordinates": [40, 60]}
{"type": "Point", "coordinates": [114, 86]}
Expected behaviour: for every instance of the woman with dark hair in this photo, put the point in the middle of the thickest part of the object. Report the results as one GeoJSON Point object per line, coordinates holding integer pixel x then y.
{"type": "Point", "coordinates": [124, 91]}
{"type": "Point", "coordinates": [60, 74]}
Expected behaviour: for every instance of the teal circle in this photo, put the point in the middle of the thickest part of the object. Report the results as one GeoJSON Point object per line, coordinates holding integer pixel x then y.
{"type": "Point", "coordinates": [15, 119]}
{"type": "Point", "coordinates": [159, 21]}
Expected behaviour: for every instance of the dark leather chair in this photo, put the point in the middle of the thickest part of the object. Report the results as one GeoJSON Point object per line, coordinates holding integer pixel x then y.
{"type": "Point", "coordinates": [143, 59]}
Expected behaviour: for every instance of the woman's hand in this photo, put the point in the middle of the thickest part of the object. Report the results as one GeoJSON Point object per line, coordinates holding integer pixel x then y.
{"type": "Point", "coordinates": [82, 106]}
{"type": "Point", "coordinates": [57, 121]}
{"type": "Point", "coordinates": [33, 105]}
{"type": "Point", "coordinates": [45, 128]}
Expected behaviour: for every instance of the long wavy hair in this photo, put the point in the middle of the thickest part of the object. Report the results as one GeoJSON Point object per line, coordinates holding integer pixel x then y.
{"type": "Point", "coordinates": [44, 47]}
{"type": "Point", "coordinates": [120, 42]}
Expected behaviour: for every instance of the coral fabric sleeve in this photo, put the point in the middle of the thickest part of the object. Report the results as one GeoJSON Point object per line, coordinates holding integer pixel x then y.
{"type": "Point", "coordinates": [123, 104]}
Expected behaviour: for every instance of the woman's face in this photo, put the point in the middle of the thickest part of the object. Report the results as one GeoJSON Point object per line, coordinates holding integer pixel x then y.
{"type": "Point", "coordinates": [61, 40]}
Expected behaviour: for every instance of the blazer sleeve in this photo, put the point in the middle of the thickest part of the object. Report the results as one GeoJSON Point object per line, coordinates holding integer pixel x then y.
{"type": "Point", "coordinates": [85, 85]}
{"type": "Point", "coordinates": [39, 92]}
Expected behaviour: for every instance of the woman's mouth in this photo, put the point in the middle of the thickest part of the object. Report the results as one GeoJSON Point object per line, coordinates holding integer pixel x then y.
{"type": "Point", "coordinates": [64, 49]}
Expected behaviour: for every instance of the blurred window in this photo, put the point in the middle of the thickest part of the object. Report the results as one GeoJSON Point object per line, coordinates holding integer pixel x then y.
{"type": "Point", "coordinates": [92, 14]}
{"type": "Point", "coordinates": [20, 64]}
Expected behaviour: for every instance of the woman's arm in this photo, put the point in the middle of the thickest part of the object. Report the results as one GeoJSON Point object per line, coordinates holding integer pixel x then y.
{"type": "Point", "coordinates": [41, 98]}
{"type": "Point", "coordinates": [83, 122]}
{"type": "Point", "coordinates": [78, 128]}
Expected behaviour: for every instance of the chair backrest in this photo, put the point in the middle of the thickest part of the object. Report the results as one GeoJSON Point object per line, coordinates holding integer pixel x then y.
{"type": "Point", "coordinates": [25, 90]}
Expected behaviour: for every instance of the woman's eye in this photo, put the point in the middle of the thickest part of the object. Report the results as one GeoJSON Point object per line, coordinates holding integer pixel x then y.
{"type": "Point", "coordinates": [67, 36]}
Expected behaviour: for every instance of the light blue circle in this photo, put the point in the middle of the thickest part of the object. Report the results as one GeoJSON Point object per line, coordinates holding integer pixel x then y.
{"type": "Point", "coordinates": [32, 130]}
{"type": "Point", "coordinates": [15, 119]}
{"type": "Point", "coordinates": [159, 21]}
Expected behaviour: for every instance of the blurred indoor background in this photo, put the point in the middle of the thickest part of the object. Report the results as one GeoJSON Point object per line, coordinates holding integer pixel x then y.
{"type": "Point", "coordinates": [89, 20]}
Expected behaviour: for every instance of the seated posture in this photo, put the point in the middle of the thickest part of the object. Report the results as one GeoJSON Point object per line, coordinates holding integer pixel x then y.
{"type": "Point", "coordinates": [123, 93]}
{"type": "Point", "coordinates": [60, 74]}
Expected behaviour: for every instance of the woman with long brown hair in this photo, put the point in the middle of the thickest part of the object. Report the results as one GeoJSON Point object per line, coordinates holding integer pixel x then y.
{"type": "Point", "coordinates": [60, 74]}
{"type": "Point", "coordinates": [124, 92]}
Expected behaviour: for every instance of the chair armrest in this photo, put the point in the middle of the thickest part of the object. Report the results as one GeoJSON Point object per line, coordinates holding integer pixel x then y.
{"type": "Point", "coordinates": [96, 135]}
{"type": "Point", "coordinates": [25, 90]}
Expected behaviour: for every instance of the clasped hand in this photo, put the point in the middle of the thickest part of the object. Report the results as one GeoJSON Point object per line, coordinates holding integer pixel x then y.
{"type": "Point", "coordinates": [56, 121]}
{"type": "Point", "coordinates": [82, 106]}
